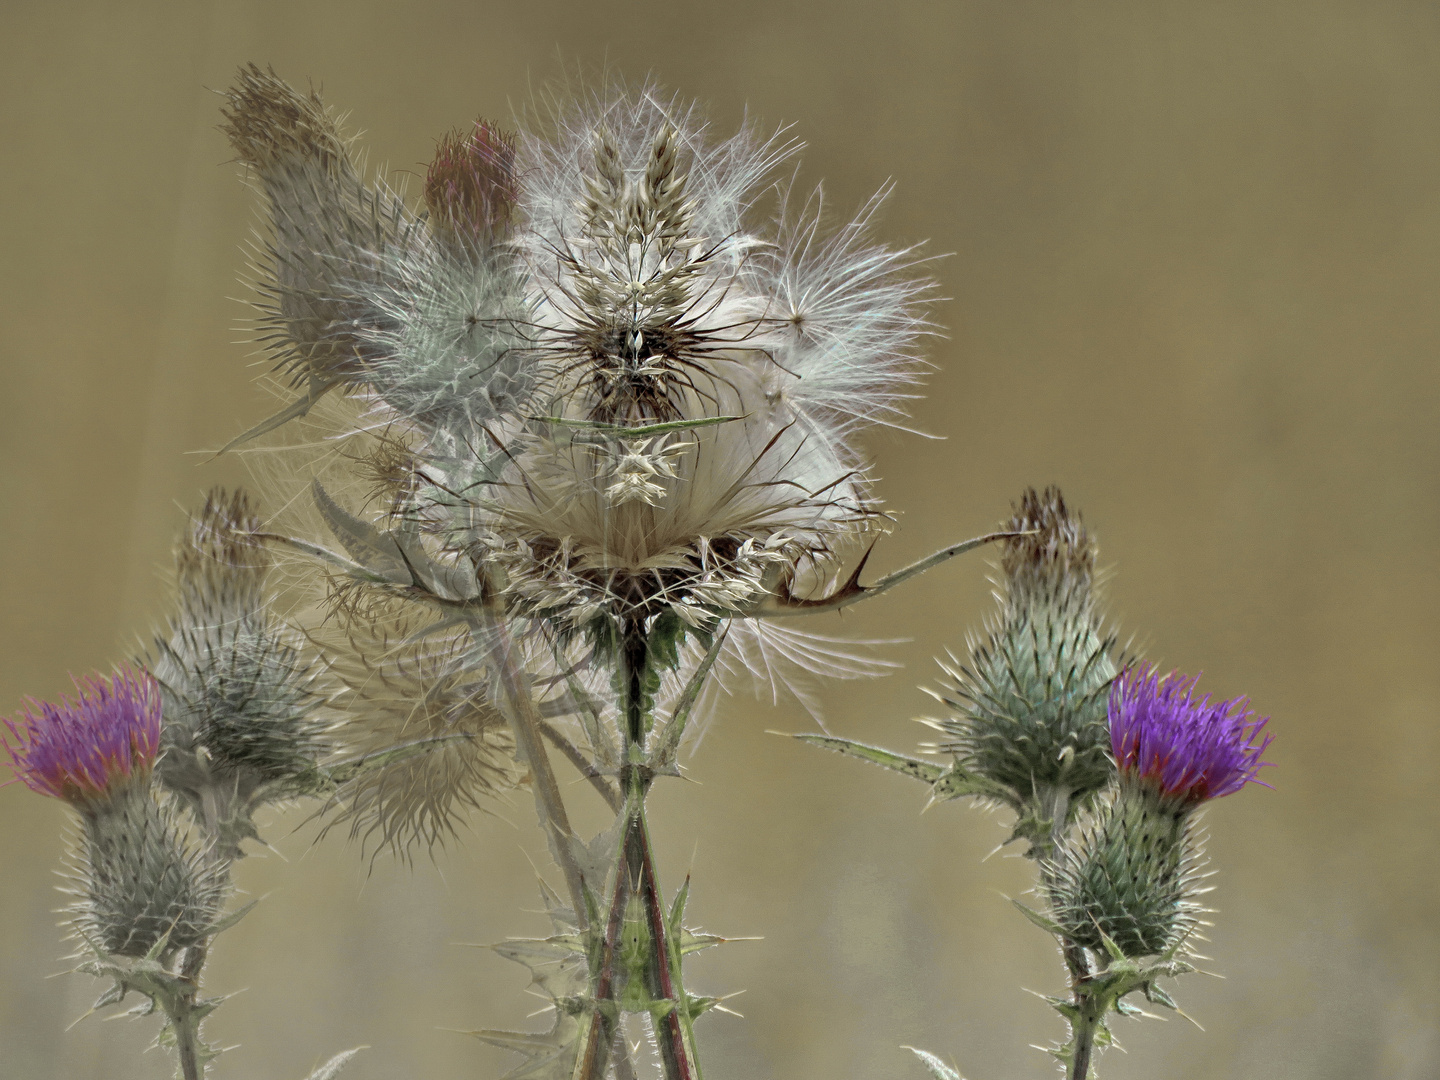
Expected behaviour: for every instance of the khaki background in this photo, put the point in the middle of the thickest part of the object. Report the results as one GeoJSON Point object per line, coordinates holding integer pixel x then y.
{"type": "Point", "coordinates": [1196, 254]}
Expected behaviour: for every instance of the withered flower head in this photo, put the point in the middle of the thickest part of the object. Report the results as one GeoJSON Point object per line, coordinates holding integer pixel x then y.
{"type": "Point", "coordinates": [423, 743]}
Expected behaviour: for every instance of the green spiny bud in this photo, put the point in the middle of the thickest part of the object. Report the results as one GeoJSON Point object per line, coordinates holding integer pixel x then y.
{"type": "Point", "coordinates": [1030, 706]}
{"type": "Point", "coordinates": [1129, 875]}
{"type": "Point", "coordinates": [239, 728]}
{"type": "Point", "coordinates": [138, 882]}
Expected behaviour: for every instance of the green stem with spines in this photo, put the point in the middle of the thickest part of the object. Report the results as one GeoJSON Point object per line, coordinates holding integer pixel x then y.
{"type": "Point", "coordinates": [636, 867]}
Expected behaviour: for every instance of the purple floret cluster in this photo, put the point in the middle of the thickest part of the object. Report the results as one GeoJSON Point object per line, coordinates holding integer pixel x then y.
{"type": "Point", "coordinates": [1190, 748]}
{"type": "Point", "coordinates": [83, 750]}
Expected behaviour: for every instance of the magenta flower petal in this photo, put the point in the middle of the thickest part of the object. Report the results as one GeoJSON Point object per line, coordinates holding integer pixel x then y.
{"type": "Point", "coordinates": [1190, 748]}
{"type": "Point", "coordinates": [82, 750]}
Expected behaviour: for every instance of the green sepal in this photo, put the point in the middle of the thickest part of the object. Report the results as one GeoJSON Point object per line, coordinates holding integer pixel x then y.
{"type": "Point", "coordinates": [1065, 1007]}
{"type": "Point", "coordinates": [947, 782]}
{"type": "Point", "coordinates": [1116, 954]}
{"type": "Point", "coordinates": [377, 552]}
{"type": "Point", "coordinates": [957, 783]}
{"type": "Point", "coordinates": [395, 558]}
{"type": "Point", "coordinates": [145, 1008]}
{"type": "Point", "coordinates": [662, 755]}
{"type": "Point", "coordinates": [113, 996]}
{"type": "Point", "coordinates": [663, 644]}
{"type": "Point", "coordinates": [695, 1004]}
{"type": "Point", "coordinates": [677, 908]}
{"type": "Point", "coordinates": [317, 389]}
{"type": "Point", "coordinates": [548, 1056]}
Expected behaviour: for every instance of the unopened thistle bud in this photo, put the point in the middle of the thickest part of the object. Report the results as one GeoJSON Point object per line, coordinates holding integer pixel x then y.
{"type": "Point", "coordinates": [137, 882]}
{"type": "Point", "coordinates": [239, 727]}
{"type": "Point", "coordinates": [470, 187]}
{"type": "Point", "coordinates": [1030, 704]}
{"type": "Point", "coordinates": [1132, 874]}
{"type": "Point", "coordinates": [328, 230]}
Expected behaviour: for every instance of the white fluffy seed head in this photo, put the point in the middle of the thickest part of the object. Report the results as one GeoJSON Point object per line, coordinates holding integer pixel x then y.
{"type": "Point", "coordinates": [631, 392]}
{"type": "Point", "coordinates": [668, 414]}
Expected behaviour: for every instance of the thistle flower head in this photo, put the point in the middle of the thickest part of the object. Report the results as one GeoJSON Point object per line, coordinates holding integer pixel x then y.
{"type": "Point", "coordinates": [624, 394]}
{"type": "Point", "coordinates": [682, 447]}
{"type": "Point", "coordinates": [329, 232]}
{"type": "Point", "coordinates": [269, 123]}
{"type": "Point", "coordinates": [1052, 551]}
{"type": "Point", "coordinates": [136, 882]}
{"type": "Point", "coordinates": [1184, 747]}
{"type": "Point", "coordinates": [88, 750]}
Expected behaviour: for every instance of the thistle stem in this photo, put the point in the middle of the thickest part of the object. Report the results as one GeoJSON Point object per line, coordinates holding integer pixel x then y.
{"type": "Point", "coordinates": [1042, 850]}
{"type": "Point", "coordinates": [187, 1045]}
{"type": "Point", "coordinates": [572, 754]}
{"type": "Point", "coordinates": [636, 871]}
{"type": "Point", "coordinates": [525, 724]}
{"type": "Point", "coordinates": [183, 1021]}
{"type": "Point", "coordinates": [1084, 1046]}
{"type": "Point", "coordinates": [596, 1040]}
{"type": "Point", "coordinates": [676, 1040]}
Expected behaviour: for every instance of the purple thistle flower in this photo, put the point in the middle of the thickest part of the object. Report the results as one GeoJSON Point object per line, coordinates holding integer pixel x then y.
{"type": "Point", "coordinates": [1188, 747]}
{"type": "Point", "coordinates": [83, 751]}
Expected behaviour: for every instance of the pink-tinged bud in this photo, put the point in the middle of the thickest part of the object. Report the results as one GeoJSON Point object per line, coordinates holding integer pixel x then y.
{"type": "Point", "coordinates": [87, 750]}
{"type": "Point", "coordinates": [470, 186]}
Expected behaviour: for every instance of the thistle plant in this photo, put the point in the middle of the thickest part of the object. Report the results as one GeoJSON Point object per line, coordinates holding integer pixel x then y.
{"type": "Point", "coordinates": [583, 431]}
{"type": "Point", "coordinates": [1103, 762]}
{"type": "Point", "coordinates": [147, 900]}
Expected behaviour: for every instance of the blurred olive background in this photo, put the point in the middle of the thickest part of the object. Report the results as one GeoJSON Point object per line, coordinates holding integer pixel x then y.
{"type": "Point", "coordinates": [1195, 250]}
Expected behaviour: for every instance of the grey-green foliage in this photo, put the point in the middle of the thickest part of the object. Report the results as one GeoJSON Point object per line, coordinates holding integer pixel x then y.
{"type": "Point", "coordinates": [1130, 875]}
{"type": "Point", "coordinates": [138, 883]}
{"type": "Point", "coordinates": [239, 725]}
{"type": "Point", "coordinates": [1029, 708]}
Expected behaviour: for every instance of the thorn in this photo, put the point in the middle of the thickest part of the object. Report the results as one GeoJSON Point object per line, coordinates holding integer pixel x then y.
{"type": "Point", "coordinates": [995, 850]}
{"type": "Point", "coordinates": [1187, 1016]}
